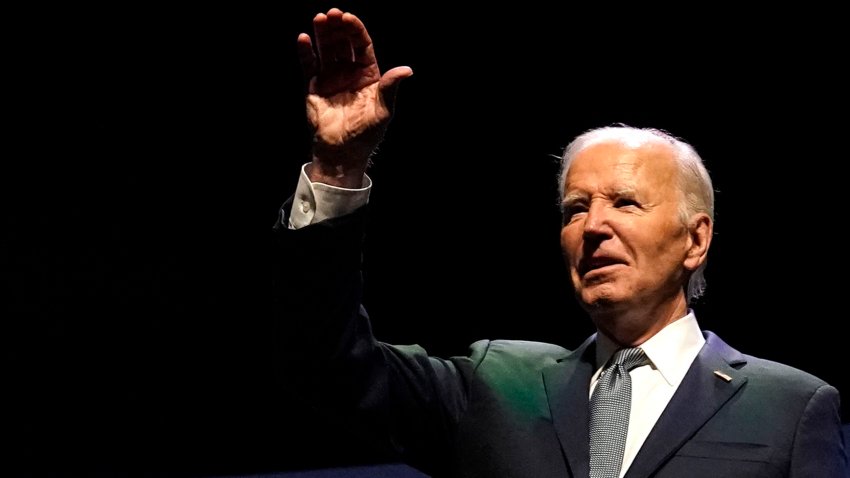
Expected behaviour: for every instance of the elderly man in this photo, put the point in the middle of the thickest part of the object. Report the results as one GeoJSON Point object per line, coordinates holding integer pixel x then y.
{"type": "Point", "coordinates": [649, 394]}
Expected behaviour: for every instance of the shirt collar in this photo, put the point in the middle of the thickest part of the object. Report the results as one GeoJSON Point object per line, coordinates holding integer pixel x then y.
{"type": "Point", "coordinates": [671, 350]}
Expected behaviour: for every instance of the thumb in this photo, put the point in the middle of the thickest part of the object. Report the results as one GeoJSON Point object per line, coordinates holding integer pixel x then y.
{"type": "Point", "coordinates": [389, 82]}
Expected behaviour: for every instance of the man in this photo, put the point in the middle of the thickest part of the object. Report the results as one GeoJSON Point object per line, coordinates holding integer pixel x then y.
{"type": "Point", "coordinates": [650, 394]}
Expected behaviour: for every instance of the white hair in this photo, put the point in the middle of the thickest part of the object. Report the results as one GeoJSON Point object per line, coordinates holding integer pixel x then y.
{"type": "Point", "coordinates": [694, 182]}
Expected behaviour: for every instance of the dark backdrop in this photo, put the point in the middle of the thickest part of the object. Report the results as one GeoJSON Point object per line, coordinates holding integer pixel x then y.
{"type": "Point", "coordinates": [149, 149]}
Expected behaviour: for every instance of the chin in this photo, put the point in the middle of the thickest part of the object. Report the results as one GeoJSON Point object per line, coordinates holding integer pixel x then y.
{"type": "Point", "coordinates": [602, 296]}
{"type": "Point", "coordinates": [600, 305]}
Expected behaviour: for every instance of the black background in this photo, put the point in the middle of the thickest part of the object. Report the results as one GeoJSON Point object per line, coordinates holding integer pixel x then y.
{"type": "Point", "coordinates": [149, 149]}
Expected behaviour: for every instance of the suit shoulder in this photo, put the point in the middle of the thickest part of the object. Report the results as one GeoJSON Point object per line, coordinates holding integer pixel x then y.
{"type": "Point", "coordinates": [781, 375]}
{"type": "Point", "coordinates": [516, 353]}
{"type": "Point", "coordinates": [765, 373]}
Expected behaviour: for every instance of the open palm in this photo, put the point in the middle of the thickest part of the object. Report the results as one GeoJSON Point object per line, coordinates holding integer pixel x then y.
{"type": "Point", "coordinates": [348, 100]}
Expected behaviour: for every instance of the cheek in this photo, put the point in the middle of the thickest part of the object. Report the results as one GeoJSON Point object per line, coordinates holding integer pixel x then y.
{"type": "Point", "coordinates": [569, 244]}
{"type": "Point", "coordinates": [662, 249]}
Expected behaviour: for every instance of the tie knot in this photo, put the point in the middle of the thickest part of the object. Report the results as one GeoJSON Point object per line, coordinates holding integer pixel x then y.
{"type": "Point", "coordinates": [629, 358]}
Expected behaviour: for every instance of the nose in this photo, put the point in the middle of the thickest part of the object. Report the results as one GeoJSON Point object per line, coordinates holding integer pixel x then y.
{"type": "Point", "coordinates": [596, 223]}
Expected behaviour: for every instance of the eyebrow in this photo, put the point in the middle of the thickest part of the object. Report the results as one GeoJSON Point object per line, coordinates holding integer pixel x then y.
{"type": "Point", "coordinates": [572, 198]}
{"type": "Point", "coordinates": [626, 192]}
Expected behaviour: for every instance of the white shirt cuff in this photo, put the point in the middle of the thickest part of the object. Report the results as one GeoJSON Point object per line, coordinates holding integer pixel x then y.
{"type": "Point", "coordinates": [316, 202]}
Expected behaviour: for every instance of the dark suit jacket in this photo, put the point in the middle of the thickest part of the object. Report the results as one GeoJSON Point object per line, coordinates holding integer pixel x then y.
{"type": "Point", "coordinates": [520, 409]}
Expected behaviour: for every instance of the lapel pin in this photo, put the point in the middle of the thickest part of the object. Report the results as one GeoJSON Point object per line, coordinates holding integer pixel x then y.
{"type": "Point", "coordinates": [723, 375]}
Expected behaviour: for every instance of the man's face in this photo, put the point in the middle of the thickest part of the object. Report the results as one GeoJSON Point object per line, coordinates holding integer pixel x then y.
{"type": "Point", "coordinates": [623, 239]}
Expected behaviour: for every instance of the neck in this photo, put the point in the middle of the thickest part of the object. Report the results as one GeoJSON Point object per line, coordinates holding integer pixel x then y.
{"type": "Point", "coordinates": [631, 326]}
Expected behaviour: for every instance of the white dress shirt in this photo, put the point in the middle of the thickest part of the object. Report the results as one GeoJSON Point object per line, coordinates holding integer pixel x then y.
{"type": "Point", "coordinates": [671, 352]}
{"type": "Point", "coordinates": [316, 202]}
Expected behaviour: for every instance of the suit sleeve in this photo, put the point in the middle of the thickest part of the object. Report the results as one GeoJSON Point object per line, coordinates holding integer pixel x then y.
{"type": "Point", "coordinates": [402, 398]}
{"type": "Point", "coordinates": [819, 449]}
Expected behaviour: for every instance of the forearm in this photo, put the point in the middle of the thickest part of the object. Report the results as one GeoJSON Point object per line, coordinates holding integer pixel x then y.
{"type": "Point", "coordinates": [398, 393]}
{"type": "Point", "coordinates": [317, 279]}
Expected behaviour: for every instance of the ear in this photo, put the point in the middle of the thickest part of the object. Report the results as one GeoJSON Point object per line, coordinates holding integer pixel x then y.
{"type": "Point", "coordinates": [700, 231]}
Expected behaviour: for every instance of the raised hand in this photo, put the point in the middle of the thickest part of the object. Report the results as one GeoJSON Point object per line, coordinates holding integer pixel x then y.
{"type": "Point", "coordinates": [349, 102]}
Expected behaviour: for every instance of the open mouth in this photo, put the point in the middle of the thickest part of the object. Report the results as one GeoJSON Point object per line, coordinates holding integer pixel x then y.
{"type": "Point", "coordinates": [595, 263]}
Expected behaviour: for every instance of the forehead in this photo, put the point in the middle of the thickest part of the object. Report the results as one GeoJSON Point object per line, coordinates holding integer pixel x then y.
{"type": "Point", "coordinates": [614, 164]}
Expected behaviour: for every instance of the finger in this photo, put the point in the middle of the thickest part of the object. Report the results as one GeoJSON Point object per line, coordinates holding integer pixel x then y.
{"type": "Point", "coordinates": [306, 56]}
{"type": "Point", "coordinates": [320, 31]}
{"type": "Point", "coordinates": [339, 46]}
{"type": "Point", "coordinates": [389, 84]}
{"type": "Point", "coordinates": [331, 38]}
{"type": "Point", "coordinates": [392, 78]}
{"type": "Point", "coordinates": [361, 42]}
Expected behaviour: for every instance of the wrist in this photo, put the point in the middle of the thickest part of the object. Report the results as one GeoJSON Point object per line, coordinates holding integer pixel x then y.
{"type": "Point", "coordinates": [338, 175]}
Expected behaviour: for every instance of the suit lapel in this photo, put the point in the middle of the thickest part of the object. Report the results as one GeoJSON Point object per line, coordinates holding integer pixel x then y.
{"type": "Point", "coordinates": [567, 388]}
{"type": "Point", "coordinates": [700, 395]}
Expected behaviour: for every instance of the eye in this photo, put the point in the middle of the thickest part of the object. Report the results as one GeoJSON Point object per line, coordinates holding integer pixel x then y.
{"type": "Point", "coordinates": [626, 202]}
{"type": "Point", "coordinates": [573, 209]}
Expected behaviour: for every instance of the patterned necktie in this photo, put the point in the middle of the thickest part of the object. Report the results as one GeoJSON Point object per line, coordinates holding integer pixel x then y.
{"type": "Point", "coordinates": [609, 413]}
